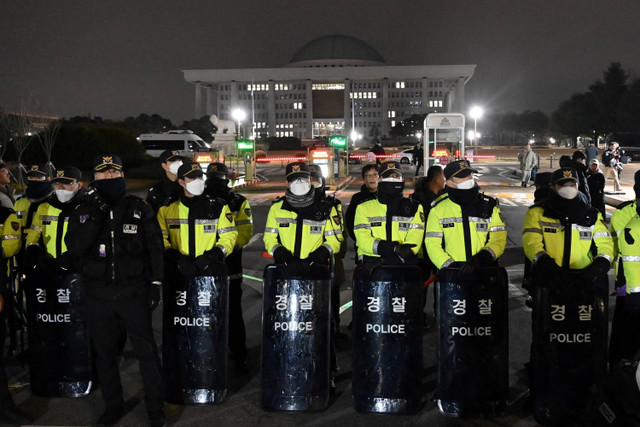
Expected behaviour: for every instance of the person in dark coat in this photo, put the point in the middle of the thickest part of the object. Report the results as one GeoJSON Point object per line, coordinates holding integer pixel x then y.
{"type": "Point", "coordinates": [578, 162]}
{"type": "Point", "coordinates": [368, 191]}
{"type": "Point", "coordinates": [595, 178]}
{"type": "Point", "coordinates": [166, 191]}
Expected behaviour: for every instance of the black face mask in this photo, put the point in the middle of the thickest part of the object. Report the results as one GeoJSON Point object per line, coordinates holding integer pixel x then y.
{"type": "Point", "coordinates": [38, 189]}
{"type": "Point", "coordinates": [110, 189]}
{"type": "Point", "coordinates": [217, 186]}
{"type": "Point", "coordinates": [463, 197]}
{"type": "Point", "coordinates": [389, 191]}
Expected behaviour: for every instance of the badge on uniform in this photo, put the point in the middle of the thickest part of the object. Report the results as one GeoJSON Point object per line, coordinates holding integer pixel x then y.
{"type": "Point", "coordinates": [210, 228]}
{"type": "Point", "coordinates": [129, 228]}
{"type": "Point", "coordinates": [83, 218]}
{"type": "Point", "coordinates": [448, 225]}
{"type": "Point", "coordinates": [15, 225]}
{"type": "Point", "coordinates": [229, 217]}
{"type": "Point", "coordinates": [247, 211]}
{"type": "Point", "coordinates": [336, 219]}
{"type": "Point", "coordinates": [482, 227]}
{"type": "Point", "coordinates": [137, 214]}
{"type": "Point", "coordinates": [422, 216]}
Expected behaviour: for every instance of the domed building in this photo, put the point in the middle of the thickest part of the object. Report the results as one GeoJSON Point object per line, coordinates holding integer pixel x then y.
{"type": "Point", "coordinates": [335, 84]}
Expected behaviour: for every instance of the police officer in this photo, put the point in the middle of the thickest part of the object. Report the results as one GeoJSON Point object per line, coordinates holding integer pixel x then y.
{"type": "Point", "coordinates": [118, 242]}
{"type": "Point", "coordinates": [217, 185]}
{"type": "Point", "coordinates": [546, 223]}
{"type": "Point", "coordinates": [624, 339]}
{"type": "Point", "coordinates": [301, 229]}
{"type": "Point", "coordinates": [167, 190]}
{"type": "Point", "coordinates": [368, 191]}
{"type": "Point", "coordinates": [45, 240]}
{"type": "Point", "coordinates": [389, 229]}
{"type": "Point", "coordinates": [9, 412]}
{"type": "Point", "coordinates": [464, 226]}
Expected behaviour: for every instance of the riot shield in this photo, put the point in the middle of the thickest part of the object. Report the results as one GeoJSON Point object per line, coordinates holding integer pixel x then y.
{"type": "Point", "coordinates": [387, 340]}
{"type": "Point", "coordinates": [473, 342]}
{"type": "Point", "coordinates": [295, 340]}
{"type": "Point", "coordinates": [195, 335]}
{"type": "Point", "coordinates": [59, 350]}
{"type": "Point", "coordinates": [569, 350]}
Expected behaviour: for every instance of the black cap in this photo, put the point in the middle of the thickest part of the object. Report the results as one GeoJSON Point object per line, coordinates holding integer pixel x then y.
{"type": "Point", "coordinates": [107, 161]}
{"type": "Point", "coordinates": [67, 174]}
{"type": "Point", "coordinates": [578, 155]}
{"type": "Point", "coordinates": [316, 172]}
{"type": "Point", "coordinates": [217, 170]}
{"type": "Point", "coordinates": [169, 156]}
{"type": "Point", "coordinates": [387, 168]}
{"type": "Point", "coordinates": [562, 175]}
{"type": "Point", "coordinates": [543, 179]}
{"type": "Point", "coordinates": [39, 170]}
{"type": "Point", "coordinates": [297, 170]}
{"type": "Point", "coordinates": [190, 170]}
{"type": "Point", "coordinates": [459, 169]}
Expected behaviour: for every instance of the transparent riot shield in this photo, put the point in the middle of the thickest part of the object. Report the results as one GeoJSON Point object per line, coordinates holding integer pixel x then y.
{"type": "Point", "coordinates": [295, 340]}
{"type": "Point", "coordinates": [195, 336]}
{"type": "Point", "coordinates": [473, 342]}
{"type": "Point", "coordinates": [59, 350]}
{"type": "Point", "coordinates": [569, 350]}
{"type": "Point", "coordinates": [387, 340]}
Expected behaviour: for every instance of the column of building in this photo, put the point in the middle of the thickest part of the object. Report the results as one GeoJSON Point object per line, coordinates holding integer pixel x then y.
{"type": "Point", "coordinates": [347, 113]}
{"type": "Point", "coordinates": [271, 109]}
{"type": "Point", "coordinates": [308, 109]}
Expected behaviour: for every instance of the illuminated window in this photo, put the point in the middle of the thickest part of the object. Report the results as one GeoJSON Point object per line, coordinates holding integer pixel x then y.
{"type": "Point", "coordinates": [327, 86]}
{"type": "Point", "coordinates": [399, 85]}
{"type": "Point", "coordinates": [393, 123]}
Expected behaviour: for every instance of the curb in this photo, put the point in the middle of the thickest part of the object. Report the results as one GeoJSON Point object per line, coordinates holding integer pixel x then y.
{"type": "Point", "coordinates": [246, 183]}
{"type": "Point", "coordinates": [344, 183]}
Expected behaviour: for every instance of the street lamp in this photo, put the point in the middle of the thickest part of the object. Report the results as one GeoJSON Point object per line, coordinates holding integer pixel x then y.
{"type": "Point", "coordinates": [475, 113]}
{"type": "Point", "coordinates": [239, 115]}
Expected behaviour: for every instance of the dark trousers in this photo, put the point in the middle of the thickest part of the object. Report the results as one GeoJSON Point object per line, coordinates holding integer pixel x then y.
{"type": "Point", "coordinates": [625, 334]}
{"type": "Point", "coordinates": [5, 396]}
{"type": "Point", "coordinates": [104, 320]}
{"type": "Point", "coordinates": [237, 332]}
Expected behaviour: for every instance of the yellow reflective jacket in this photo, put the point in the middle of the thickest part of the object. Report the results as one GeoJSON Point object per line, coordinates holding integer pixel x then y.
{"type": "Point", "coordinates": [321, 224]}
{"type": "Point", "coordinates": [546, 234]}
{"type": "Point", "coordinates": [11, 236]}
{"type": "Point", "coordinates": [622, 215]}
{"type": "Point", "coordinates": [445, 234]}
{"type": "Point", "coordinates": [194, 229]}
{"type": "Point", "coordinates": [370, 226]}
{"type": "Point", "coordinates": [629, 246]}
{"type": "Point", "coordinates": [50, 223]}
{"type": "Point", "coordinates": [243, 219]}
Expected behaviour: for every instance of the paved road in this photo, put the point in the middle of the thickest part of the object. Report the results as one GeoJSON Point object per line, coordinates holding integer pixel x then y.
{"type": "Point", "coordinates": [242, 407]}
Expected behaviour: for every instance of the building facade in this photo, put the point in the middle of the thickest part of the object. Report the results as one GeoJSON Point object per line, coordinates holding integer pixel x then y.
{"type": "Point", "coordinates": [333, 85]}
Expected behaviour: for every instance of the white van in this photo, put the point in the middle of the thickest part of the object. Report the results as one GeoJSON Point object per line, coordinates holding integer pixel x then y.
{"type": "Point", "coordinates": [184, 141]}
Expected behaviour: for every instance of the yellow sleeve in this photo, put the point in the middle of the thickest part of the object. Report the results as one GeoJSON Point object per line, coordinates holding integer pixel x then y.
{"type": "Point", "coordinates": [244, 224]}
{"type": "Point", "coordinates": [270, 237]}
{"type": "Point", "coordinates": [433, 237]}
{"type": "Point", "coordinates": [532, 237]}
{"type": "Point", "coordinates": [11, 241]}
{"type": "Point", "coordinates": [497, 234]}
{"type": "Point", "coordinates": [162, 220]}
{"type": "Point", "coordinates": [35, 231]}
{"type": "Point", "coordinates": [603, 240]}
{"type": "Point", "coordinates": [365, 240]}
{"type": "Point", "coordinates": [333, 231]}
{"type": "Point", "coordinates": [416, 233]}
{"type": "Point", "coordinates": [227, 232]}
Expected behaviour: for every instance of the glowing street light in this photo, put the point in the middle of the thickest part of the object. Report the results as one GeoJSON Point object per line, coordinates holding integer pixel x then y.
{"type": "Point", "coordinates": [475, 113]}
{"type": "Point", "coordinates": [239, 115]}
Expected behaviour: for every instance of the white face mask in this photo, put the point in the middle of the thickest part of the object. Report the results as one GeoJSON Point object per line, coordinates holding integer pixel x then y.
{"type": "Point", "coordinates": [195, 187]}
{"type": "Point", "coordinates": [568, 193]}
{"type": "Point", "coordinates": [174, 166]}
{"type": "Point", "coordinates": [391, 179]}
{"type": "Point", "coordinates": [300, 188]}
{"type": "Point", "coordinates": [466, 185]}
{"type": "Point", "coordinates": [65, 195]}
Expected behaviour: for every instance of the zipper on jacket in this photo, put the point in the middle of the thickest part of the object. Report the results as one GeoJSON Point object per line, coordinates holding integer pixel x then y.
{"type": "Point", "coordinates": [113, 248]}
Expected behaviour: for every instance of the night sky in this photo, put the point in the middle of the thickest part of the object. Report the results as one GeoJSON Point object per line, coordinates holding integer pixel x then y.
{"type": "Point", "coordinates": [119, 58]}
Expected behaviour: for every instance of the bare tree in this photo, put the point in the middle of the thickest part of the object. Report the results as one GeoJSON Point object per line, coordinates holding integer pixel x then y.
{"type": "Point", "coordinates": [47, 139]}
{"type": "Point", "coordinates": [22, 136]}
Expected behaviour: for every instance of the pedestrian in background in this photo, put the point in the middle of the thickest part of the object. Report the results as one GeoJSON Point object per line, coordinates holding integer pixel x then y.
{"type": "Point", "coordinates": [591, 151]}
{"type": "Point", "coordinates": [527, 162]}
{"type": "Point", "coordinates": [118, 242]}
{"type": "Point", "coordinates": [595, 179]}
{"type": "Point", "coordinates": [6, 190]}
{"type": "Point", "coordinates": [610, 159]}
{"type": "Point", "coordinates": [167, 190]}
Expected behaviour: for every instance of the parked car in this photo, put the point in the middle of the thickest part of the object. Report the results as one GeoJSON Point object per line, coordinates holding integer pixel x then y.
{"type": "Point", "coordinates": [406, 156]}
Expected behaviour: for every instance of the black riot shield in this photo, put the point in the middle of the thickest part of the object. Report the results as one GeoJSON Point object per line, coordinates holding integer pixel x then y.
{"type": "Point", "coordinates": [295, 340]}
{"type": "Point", "coordinates": [59, 350]}
{"type": "Point", "coordinates": [473, 342]}
{"type": "Point", "coordinates": [387, 340]}
{"type": "Point", "coordinates": [195, 336]}
{"type": "Point", "coordinates": [569, 350]}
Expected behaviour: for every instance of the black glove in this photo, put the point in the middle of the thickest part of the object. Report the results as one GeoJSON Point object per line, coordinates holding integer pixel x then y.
{"type": "Point", "coordinates": [282, 255]}
{"type": "Point", "coordinates": [33, 255]}
{"type": "Point", "coordinates": [369, 267]}
{"type": "Point", "coordinates": [299, 267]}
{"type": "Point", "coordinates": [404, 251]}
{"type": "Point", "coordinates": [65, 262]}
{"type": "Point", "coordinates": [171, 257]}
{"type": "Point", "coordinates": [207, 260]}
{"type": "Point", "coordinates": [320, 256]}
{"type": "Point", "coordinates": [386, 248]}
{"type": "Point", "coordinates": [470, 268]}
{"type": "Point", "coordinates": [186, 266]}
{"type": "Point", "coordinates": [632, 302]}
{"type": "Point", "coordinates": [547, 267]}
{"type": "Point", "coordinates": [154, 296]}
{"type": "Point", "coordinates": [598, 267]}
